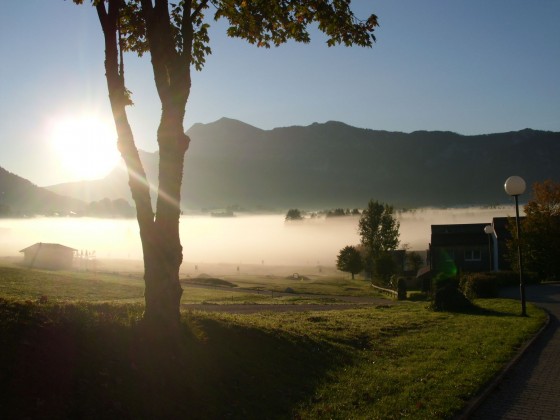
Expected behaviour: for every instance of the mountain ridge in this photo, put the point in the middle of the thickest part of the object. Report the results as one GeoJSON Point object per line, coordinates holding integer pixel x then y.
{"type": "Point", "coordinates": [334, 164]}
{"type": "Point", "coordinates": [20, 197]}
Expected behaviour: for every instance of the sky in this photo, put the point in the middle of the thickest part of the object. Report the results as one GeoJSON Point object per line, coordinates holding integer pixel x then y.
{"type": "Point", "coordinates": [472, 67]}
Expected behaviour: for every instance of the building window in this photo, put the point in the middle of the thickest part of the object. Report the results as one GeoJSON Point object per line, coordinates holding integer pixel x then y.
{"type": "Point", "coordinates": [472, 255]}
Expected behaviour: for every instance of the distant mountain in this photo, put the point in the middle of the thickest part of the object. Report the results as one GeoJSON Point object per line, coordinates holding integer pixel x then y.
{"type": "Point", "coordinates": [335, 165]}
{"type": "Point", "coordinates": [114, 186]}
{"type": "Point", "coordinates": [19, 197]}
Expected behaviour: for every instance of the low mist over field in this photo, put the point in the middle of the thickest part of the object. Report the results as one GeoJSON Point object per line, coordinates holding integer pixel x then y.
{"type": "Point", "coordinates": [252, 239]}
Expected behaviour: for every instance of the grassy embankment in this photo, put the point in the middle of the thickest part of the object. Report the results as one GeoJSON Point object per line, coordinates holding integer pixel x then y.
{"type": "Point", "coordinates": [90, 358]}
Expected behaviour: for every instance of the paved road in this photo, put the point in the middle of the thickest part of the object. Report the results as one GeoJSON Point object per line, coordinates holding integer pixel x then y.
{"type": "Point", "coordinates": [531, 389]}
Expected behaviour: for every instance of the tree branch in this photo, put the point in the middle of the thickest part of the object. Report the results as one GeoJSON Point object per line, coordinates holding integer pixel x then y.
{"type": "Point", "coordinates": [196, 11]}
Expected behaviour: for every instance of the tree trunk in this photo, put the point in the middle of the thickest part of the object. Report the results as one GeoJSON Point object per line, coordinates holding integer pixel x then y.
{"type": "Point", "coordinates": [159, 232]}
{"type": "Point", "coordinates": [163, 253]}
{"type": "Point", "coordinates": [163, 291]}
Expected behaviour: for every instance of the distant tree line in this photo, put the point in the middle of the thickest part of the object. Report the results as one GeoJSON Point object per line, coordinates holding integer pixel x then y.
{"type": "Point", "coordinates": [296, 214]}
{"type": "Point", "coordinates": [341, 212]}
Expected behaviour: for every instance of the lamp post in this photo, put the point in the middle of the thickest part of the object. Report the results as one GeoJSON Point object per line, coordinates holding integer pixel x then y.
{"type": "Point", "coordinates": [515, 186]}
{"type": "Point", "coordinates": [489, 230]}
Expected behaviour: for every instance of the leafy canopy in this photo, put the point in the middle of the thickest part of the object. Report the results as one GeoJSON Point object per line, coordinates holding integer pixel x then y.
{"type": "Point", "coordinates": [349, 260]}
{"type": "Point", "coordinates": [540, 231]}
{"type": "Point", "coordinates": [260, 22]}
{"type": "Point", "coordinates": [378, 229]}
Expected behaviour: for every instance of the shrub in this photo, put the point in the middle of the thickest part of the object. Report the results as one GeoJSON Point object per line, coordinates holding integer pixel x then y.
{"type": "Point", "coordinates": [479, 285]}
{"type": "Point", "coordinates": [486, 285]}
{"type": "Point", "coordinates": [447, 296]}
{"type": "Point", "coordinates": [401, 288]}
{"type": "Point", "coordinates": [450, 299]}
{"type": "Point", "coordinates": [418, 296]}
{"type": "Point", "coordinates": [441, 281]}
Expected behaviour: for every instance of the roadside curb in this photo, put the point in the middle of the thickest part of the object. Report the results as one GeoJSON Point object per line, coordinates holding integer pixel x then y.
{"type": "Point", "coordinates": [478, 399]}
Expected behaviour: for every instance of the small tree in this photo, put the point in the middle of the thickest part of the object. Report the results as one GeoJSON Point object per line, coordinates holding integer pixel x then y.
{"type": "Point", "coordinates": [294, 214]}
{"type": "Point", "coordinates": [349, 260]}
{"type": "Point", "coordinates": [379, 230]}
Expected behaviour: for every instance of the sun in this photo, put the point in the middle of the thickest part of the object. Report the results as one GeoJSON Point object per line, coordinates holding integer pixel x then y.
{"type": "Point", "coordinates": [85, 146]}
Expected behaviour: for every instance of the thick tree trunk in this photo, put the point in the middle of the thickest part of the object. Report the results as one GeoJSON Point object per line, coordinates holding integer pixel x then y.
{"type": "Point", "coordinates": [159, 231]}
{"type": "Point", "coordinates": [163, 291]}
{"type": "Point", "coordinates": [163, 254]}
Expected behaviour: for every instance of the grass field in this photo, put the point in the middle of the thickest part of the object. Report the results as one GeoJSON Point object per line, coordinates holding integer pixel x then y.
{"type": "Point", "coordinates": [25, 284]}
{"type": "Point", "coordinates": [83, 354]}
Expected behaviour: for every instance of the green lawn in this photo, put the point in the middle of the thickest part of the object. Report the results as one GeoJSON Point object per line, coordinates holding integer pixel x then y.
{"type": "Point", "coordinates": [312, 284]}
{"type": "Point", "coordinates": [92, 359]}
{"type": "Point", "coordinates": [30, 284]}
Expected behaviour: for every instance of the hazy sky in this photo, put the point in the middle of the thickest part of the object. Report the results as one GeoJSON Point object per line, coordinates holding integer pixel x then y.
{"type": "Point", "coordinates": [472, 67]}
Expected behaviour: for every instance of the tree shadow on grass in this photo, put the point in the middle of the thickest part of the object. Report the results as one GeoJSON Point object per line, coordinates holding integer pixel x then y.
{"type": "Point", "coordinates": [214, 370]}
{"type": "Point", "coordinates": [477, 310]}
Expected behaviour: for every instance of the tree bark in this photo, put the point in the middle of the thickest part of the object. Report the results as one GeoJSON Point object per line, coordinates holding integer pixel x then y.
{"type": "Point", "coordinates": [171, 70]}
{"type": "Point", "coordinates": [159, 231]}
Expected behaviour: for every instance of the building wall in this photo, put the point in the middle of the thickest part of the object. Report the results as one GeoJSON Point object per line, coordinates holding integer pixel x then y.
{"type": "Point", "coordinates": [454, 259]}
{"type": "Point", "coordinates": [49, 258]}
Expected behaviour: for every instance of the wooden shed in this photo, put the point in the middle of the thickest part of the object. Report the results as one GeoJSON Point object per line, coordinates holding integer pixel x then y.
{"type": "Point", "coordinates": [49, 256]}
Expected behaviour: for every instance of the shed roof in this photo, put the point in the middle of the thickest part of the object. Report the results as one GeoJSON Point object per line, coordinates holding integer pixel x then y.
{"type": "Point", "coordinates": [48, 246]}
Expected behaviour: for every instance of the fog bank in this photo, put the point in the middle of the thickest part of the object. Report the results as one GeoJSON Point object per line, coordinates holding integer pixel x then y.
{"type": "Point", "coordinates": [255, 239]}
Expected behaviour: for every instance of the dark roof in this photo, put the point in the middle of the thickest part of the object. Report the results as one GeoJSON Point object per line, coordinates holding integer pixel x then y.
{"type": "Point", "coordinates": [47, 245]}
{"type": "Point", "coordinates": [500, 225]}
{"type": "Point", "coordinates": [423, 271]}
{"type": "Point", "coordinates": [459, 234]}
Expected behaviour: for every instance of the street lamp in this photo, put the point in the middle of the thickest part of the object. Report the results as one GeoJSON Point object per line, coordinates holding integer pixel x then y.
{"type": "Point", "coordinates": [515, 186]}
{"type": "Point", "coordinates": [489, 230]}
